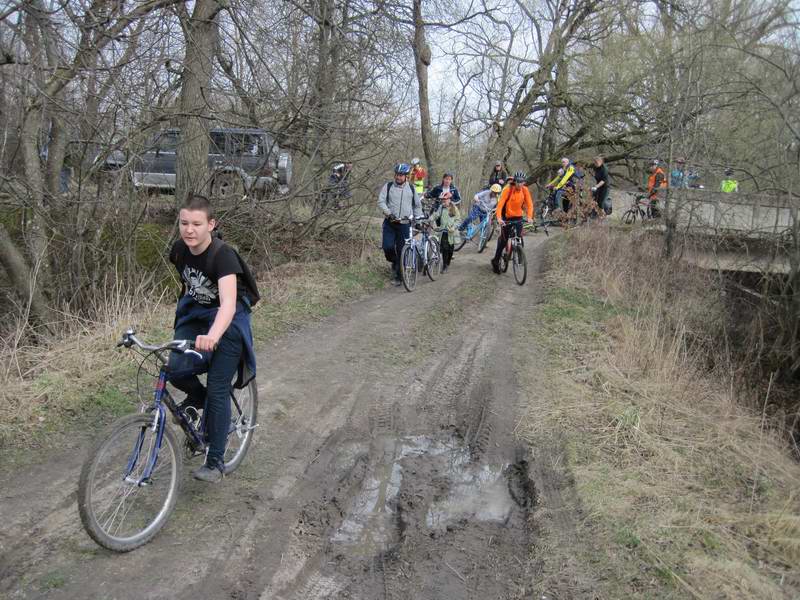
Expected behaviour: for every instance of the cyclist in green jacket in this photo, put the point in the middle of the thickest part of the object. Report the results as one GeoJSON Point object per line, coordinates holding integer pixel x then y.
{"type": "Point", "coordinates": [729, 184]}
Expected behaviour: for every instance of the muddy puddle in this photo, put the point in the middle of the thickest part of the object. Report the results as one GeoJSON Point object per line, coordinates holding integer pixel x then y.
{"type": "Point", "coordinates": [463, 492]}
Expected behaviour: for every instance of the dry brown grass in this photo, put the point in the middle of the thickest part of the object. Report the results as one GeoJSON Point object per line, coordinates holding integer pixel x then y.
{"type": "Point", "coordinates": [691, 492]}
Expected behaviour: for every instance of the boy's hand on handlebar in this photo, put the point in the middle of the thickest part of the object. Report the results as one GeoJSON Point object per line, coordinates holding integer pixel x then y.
{"type": "Point", "coordinates": [205, 343]}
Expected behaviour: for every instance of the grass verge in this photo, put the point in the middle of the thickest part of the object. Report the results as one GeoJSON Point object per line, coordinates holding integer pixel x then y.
{"type": "Point", "coordinates": [684, 492]}
{"type": "Point", "coordinates": [83, 381]}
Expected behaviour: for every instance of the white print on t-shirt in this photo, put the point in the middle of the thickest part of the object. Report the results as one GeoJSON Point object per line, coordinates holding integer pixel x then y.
{"type": "Point", "coordinates": [199, 286]}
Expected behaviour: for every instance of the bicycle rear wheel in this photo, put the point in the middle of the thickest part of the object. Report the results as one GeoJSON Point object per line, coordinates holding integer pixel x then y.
{"type": "Point", "coordinates": [434, 267]}
{"type": "Point", "coordinates": [629, 218]}
{"type": "Point", "coordinates": [116, 510]}
{"type": "Point", "coordinates": [408, 267]}
{"type": "Point", "coordinates": [519, 264]}
{"type": "Point", "coordinates": [244, 412]}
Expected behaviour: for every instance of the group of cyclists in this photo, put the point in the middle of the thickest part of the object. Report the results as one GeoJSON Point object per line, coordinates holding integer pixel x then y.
{"type": "Point", "coordinates": [401, 202]}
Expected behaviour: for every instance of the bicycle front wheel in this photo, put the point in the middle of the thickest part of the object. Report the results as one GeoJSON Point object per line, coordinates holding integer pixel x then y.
{"type": "Point", "coordinates": [244, 412]}
{"type": "Point", "coordinates": [434, 267]}
{"type": "Point", "coordinates": [118, 508]}
{"type": "Point", "coordinates": [408, 267]}
{"type": "Point", "coordinates": [486, 237]}
{"type": "Point", "coordinates": [519, 264]}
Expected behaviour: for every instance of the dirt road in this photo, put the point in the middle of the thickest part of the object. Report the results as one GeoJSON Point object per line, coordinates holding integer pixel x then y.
{"type": "Point", "coordinates": [385, 467]}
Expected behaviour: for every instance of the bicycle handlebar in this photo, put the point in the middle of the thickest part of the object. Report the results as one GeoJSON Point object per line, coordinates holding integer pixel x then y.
{"type": "Point", "coordinates": [130, 340]}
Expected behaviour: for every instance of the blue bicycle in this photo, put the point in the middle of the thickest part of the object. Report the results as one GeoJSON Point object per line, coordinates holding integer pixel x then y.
{"type": "Point", "coordinates": [130, 482]}
{"type": "Point", "coordinates": [481, 233]}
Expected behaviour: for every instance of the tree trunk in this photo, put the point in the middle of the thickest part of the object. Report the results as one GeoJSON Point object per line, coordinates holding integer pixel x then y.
{"type": "Point", "coordinates": [422, 58]}
{"type": "Point", "coordinates": [25, 284]}
{"type": "Point", "coordinates": [192, 154]}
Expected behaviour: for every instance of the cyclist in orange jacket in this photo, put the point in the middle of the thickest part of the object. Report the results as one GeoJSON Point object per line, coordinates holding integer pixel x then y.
{"type": "Point", "coordinates": [515, 203]}
{"type": "Point", "coordinates": [655, 183]}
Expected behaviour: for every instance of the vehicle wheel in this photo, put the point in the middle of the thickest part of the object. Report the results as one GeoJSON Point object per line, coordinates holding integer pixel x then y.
{"type": "Point", "coordinates": [227, 186]}
{"type": "Point", "coordinates": [434, 268]}
{"type": "Point", "coordinates": [408, 268]}
{"type": "Point", "coordinates": [116, 512]}
{"type": "Point", "coordinates": [244, 414]}
{"type": "Point", "coordinates": [519, 265]}
{"type": "Point", "coordinates": [629, 218]}
{"type": "Point", "coordinates": [462, 243]}
{"type": "Point", "coordinates": [487, 237]}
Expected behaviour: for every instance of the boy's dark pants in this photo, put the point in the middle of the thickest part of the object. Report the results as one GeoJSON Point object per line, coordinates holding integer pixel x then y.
{"type": "Point", "coordinates": [223, 365]}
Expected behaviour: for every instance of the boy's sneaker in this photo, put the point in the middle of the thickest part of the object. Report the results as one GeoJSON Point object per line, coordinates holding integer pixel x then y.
{"type": "Point", "coordinates": [209, 474]}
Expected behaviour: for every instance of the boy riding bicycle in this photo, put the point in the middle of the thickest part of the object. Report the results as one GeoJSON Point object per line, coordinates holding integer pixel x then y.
{"type": "Point", "coordinates": [214, 311]}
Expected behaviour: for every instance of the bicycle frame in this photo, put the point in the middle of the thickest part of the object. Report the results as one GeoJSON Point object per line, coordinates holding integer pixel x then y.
{"type": "Point", "coordinates": [481, 227]}
{"type": "Point", "coordinates": [159, 422]}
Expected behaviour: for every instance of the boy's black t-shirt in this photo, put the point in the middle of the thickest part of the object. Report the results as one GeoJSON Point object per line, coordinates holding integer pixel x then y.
{"type": "Point", "coordinates": [201, 279]}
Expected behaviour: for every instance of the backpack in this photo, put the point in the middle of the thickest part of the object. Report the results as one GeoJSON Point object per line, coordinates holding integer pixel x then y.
{"type": "Point", "coordinates": [251, 287]}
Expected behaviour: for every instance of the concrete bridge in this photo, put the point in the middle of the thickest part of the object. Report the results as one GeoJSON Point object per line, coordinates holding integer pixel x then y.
{"type": "Point", "coordinates": [736, 232]}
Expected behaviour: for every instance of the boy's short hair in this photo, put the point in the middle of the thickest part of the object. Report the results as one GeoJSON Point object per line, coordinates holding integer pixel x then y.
{"type": "Point", "coordinates": [199, 202]}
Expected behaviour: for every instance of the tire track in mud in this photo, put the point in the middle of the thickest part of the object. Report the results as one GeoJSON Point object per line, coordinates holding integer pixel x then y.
{"type": "Point", "coordinates": [444, 508]}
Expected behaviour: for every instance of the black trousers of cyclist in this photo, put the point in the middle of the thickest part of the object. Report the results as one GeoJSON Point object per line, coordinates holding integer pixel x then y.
{"type": "Point", "coordinates": [447, 250]}
{"type": "Point", "coordinates": [513, 227]}
{"type": "Point", "coordinates": [394, 238]}
{"type": "Point", "coordinates": [216, 395]}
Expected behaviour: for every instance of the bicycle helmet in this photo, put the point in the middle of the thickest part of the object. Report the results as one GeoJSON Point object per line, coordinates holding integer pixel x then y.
{"type": "Point", "coordinates": [520, 176]}
{"type": "Point", "coordinates": [728, 171]}
{"type": "Point", "coordinates": [498, 163]}
{"type": "Point", "coordinates": [338, 167]}
{"type": "Point", "coordinates": [414, 162]}
{"type": "Point", "coordinates": [402, 169]}
{"type": "Point", "coordinates": [496, 189]}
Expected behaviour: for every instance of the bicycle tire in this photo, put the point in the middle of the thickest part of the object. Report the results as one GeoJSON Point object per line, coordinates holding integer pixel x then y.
{"type": "Point", "coordinates": [462, 243]}
{"type": "Point", "coordinates": [519, 266]}
{"type": "Point", "coordinates": [408, 267]}
{"type": "Point", "coordinates": [140, 425]}
{"type": "Point", "coordinates": [629, 217]}
{"type": "Point", "coordinates": [434, 266]}
{"type": "Point", "coordinates": [242, 426]}
{"type": "Point", "coordinates": [485, 240]}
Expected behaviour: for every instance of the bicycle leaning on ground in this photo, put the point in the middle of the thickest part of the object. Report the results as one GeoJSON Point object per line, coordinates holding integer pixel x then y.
{"type": "Point", "coordinates": [420, 254]}
{"type": "Point", "coordinates": [514, 253]}
{"type": "Point", "coordinates": [484, 231]}
{"type": "Point", "coordinates": [129, 484]}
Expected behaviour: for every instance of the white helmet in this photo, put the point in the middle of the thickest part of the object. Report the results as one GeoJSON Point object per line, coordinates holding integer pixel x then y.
{"type": "Point", "coordinates": [415, 161]}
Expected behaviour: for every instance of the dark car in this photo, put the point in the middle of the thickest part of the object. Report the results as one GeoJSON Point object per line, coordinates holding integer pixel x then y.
{"type": "Point", "coordinates": [239, 160]}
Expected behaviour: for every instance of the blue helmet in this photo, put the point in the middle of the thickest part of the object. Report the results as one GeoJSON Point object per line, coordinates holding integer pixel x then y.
{"type": "Point", "coordinates": [402, 169]}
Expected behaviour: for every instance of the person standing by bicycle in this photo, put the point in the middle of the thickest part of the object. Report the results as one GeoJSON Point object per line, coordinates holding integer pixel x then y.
{"type": "Point", "coordinates": [482, 204]}
{"type": "Point", "coordinates": [447, 216]}
{"type": "Point", "coordinates": [655, 183]}
{"type": "Point", "coordinates": [600, 187]}
{"type": "Point", "coordinates": [397, 200]}
{"type": "Point", "coordinates": [418, 176]}
{"type": "Point", "coordinates": [499, 175]}
{"type": "Point", "coordinates": [515, 203]}
{"type": "Point", "coordinates": [214, 311]}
